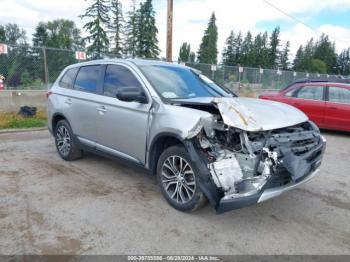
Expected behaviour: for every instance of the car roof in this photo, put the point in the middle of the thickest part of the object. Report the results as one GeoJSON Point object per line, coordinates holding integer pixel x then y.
{"type": "Point", "coordinates": [136, 61]}
{"type": "Point", "coordinates": [314, 82]}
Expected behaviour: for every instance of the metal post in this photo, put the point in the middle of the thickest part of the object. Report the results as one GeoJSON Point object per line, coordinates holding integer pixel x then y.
{"type": "Point", "coordinates": [46, 76]}
{"type": "Point", "coordinates": [169, 36]}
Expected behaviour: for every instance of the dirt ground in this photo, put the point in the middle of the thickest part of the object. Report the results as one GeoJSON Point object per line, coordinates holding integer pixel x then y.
{"type": "Point", "coordinates": [96, 206]}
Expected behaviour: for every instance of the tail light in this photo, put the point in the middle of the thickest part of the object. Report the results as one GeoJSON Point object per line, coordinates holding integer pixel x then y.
{"type": "Point", "coordinates": [48, 93]}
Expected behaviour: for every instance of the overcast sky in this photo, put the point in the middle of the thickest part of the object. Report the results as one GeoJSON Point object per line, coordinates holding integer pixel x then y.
{"type": "Point", "coordinates": [191, 17]}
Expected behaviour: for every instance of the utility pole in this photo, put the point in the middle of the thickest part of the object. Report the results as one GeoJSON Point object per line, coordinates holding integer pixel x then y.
{"type": "Point", "coordinates": [169, 35]}
{"type": "Point", "coordinates": [46, 73]}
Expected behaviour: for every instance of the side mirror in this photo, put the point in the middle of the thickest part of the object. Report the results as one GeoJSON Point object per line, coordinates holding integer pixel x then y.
{"type": "Point", "coordinates": [130, 94]}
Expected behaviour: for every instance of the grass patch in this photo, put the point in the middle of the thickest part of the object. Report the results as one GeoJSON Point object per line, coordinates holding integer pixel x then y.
{"type": "Point", "coordinates": [12, 120]}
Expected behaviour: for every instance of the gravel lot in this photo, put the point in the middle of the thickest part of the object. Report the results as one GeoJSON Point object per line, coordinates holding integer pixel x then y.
{"type": "Point", "coordinates": [96, 206]}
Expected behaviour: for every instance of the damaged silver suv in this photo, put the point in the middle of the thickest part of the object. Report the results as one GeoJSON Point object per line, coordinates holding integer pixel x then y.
{"type": "Point", "coordinates": [199, 139]}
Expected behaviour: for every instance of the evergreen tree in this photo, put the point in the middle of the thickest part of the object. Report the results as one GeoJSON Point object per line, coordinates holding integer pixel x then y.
{"type": "Point", "coordinates": [131, 31]}
{"type": "Point", "coordinates": [265, 51]}
{"type": "Point", "coordinates": [257, 51]}
{"type": "Point", "coordinates": [116, 26]}
{"type": "Point", "coordinates": [299, 57]}
{"type": "Point", "coordinates": [40, 37]}
{"type": "Point", "coordinates": [247, 50]}
{"type": "Point", "coordinates": [325, 51]}
{"type": "Point", "coordinates": [208, 48]}
{"type": "Point", "coordinates": [343, 62]}
{"type": "Point", "coordinates": [238, 47]}
{"type": "Point", "coordinates": [185, 52]}
{"type": "Point", "coordinates": [147, 42]}
{"type": "Point", "coordinates": [99, 20]}
{"type": "Point", "coordinates": [273, 49]}
{"type": "Point", "coordinates": [192, 57]}
{"type": "Point", "coordinates": [229, 52]}
{"type": "Point", "coordinates": [2, 34]}
{"type": "Point", "coordinates": [284, 57]}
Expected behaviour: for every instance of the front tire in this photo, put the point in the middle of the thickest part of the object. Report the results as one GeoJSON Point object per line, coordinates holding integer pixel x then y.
{"type": "Point", "coordinates": [178, 178]}
{"type": "Point", "coordinates": [66, 144]}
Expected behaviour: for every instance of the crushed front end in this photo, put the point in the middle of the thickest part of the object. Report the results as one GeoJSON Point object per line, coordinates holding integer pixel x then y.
{"type": "Point", "coordinates": [249, 167]}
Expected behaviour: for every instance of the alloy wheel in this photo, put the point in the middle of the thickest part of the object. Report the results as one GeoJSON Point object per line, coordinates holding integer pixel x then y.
{"type": "Point", "coordinates": [178, 179]}
{"type": "Point", "coordinates": [63, 140]}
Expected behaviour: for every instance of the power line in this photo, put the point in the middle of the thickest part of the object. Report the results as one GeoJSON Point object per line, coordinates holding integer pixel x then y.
{"type": "Point", "coordinates": [300, 21]}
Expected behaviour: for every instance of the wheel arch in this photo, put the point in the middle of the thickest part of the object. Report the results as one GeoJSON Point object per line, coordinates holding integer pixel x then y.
{"type": "Point", "coordinates": [159, 143]}
{"type": "Point", "coordinates": [55, 119]}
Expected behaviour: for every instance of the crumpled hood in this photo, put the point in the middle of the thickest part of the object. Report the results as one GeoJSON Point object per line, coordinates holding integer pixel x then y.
{"type": "Point", "coordinates": [252, 114]}
{"type": "Point", "coordinates": [256, 114]}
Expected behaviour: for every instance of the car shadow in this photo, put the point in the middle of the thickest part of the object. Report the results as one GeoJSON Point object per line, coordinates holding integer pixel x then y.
{"type": "Point", "coordinates": [335, 133]}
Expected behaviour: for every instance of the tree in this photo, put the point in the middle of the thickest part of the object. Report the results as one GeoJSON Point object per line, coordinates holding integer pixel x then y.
{"type": "Point", "coordinates": [185, 52]}
{"type": "Point", "coordinates": [343, 62]}
{"type": "Point", "coordinates": [59, 33]}
{"type": "Point", "coordinates": [260, 50]}
{"type": "Point", "coordinates": [284, 57]}
{"type": "Point", "coordinates": [116, 26]}
{"type": "Point", "coordinates": [325, 51]}
{"type": "Point", "coordinates": [208, 48]}
{"type": "Point", "coordinates": [12, 65]}
{"type": "Point", "coordinates": [238, 47]}
{"type": "Point", "coordinates": [192, 57]}
{"type": "Point", "coordinates": [147, 42]}
{"type": "Point", "coordinates": [317, 66]}
{"type": "Point", "coordinates": [299, 57]}
{"type": "Point", "coordinates": [131, 31]}
{"type": "Point", "coordinates": [247, 50]}
{"type": "Point", "coordinates": [2, 34]}
{"type": "Point", "coordinates": [40, 37]}
{"type": "Point", "coordinates": [229, 52]}
{"type": "Point", "coordinates": [99, 19]}
{"type": "Point", "coordinates": [273, 48]}
{"type": "Point", "coordinates": [13, 35]}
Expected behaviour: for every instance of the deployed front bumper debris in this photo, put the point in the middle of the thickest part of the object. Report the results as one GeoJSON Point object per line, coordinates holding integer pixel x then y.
{"type": "Point", "coordinates": [251, 167]}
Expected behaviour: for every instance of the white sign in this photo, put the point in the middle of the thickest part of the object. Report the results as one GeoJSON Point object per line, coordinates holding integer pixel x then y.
{"type": "Point", "coordinates": [318, 75]}
{"type": "Point", "coordinates": [327, 76]}
{"type": "Point", "coordinates": [3, 49]}
{"type": "Point", "coordinates": [279, 72]}
{"type": "Point", "coordinates": [261, 70]}
{"type": "Point", "coordinates": [240, 69]}
{"type": "Point", "coordinates": [307, 75]}
{"type": "Point", "coordinates": [294, 73]}
{"type": "Point", "coordinates": [80, 55]}
{"type": "Point", "coordinates": [213, 67]}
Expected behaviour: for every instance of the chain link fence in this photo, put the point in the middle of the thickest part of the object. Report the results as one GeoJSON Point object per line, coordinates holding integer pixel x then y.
{"type": "Point", "coordinates": [33, 68]}
{"type": "Point", "coordinates": [250, 81]}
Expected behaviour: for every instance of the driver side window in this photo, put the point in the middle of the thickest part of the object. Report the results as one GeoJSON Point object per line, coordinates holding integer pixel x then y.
{"type": "Point", "coordinates": [116, 77]}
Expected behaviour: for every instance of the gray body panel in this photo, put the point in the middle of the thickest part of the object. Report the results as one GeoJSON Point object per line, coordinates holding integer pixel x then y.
{"type": "Point", "coordinates": [129, 129]}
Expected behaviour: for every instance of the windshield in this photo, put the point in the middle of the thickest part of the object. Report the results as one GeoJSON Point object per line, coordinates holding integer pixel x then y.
{"type": "Point", "coordinates": [173, 82]}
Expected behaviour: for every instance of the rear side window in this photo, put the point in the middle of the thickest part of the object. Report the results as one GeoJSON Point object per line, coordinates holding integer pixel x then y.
{"type": "Point", "coordinates": [67, 79]}
{"type": "Point", "coordinates": [339, 95]}
{"type": "Point", "coordinates": [310, 92]}
{"type": "Point", "coordinates": [87, 78]}
{"type": "Point", "coordinates": [118, 76]}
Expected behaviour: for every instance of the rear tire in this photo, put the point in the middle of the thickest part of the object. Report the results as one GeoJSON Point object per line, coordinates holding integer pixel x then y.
{"type": "Point", "coordinates": [66, 143]}
{"type": "Point", "coordinates": [178, 179]}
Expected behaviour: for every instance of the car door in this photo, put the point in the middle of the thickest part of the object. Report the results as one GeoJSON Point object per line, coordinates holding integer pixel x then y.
{"type": "Point", "coordinates": [122, 126]}
{"type": "Point", "coordinates": [311, 100]}
{"type": "Point", "coordinates": [337, 113]}
{"type": "Point", "coordinates": [80, 104]}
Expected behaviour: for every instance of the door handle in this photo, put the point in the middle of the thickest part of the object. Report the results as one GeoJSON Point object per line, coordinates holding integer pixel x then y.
{"type": "Point", "coordinates": [101, 109]}
{"type": "Point", "coordinates": [296, 104]}
{"type": "Point", "coordinates": [333, 107]}
{"type": "Point", "coordinates": [68, 101]}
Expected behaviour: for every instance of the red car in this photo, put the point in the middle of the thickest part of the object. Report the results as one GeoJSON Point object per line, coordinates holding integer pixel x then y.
{"type": "Point", "coordinates": [325, 103]}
